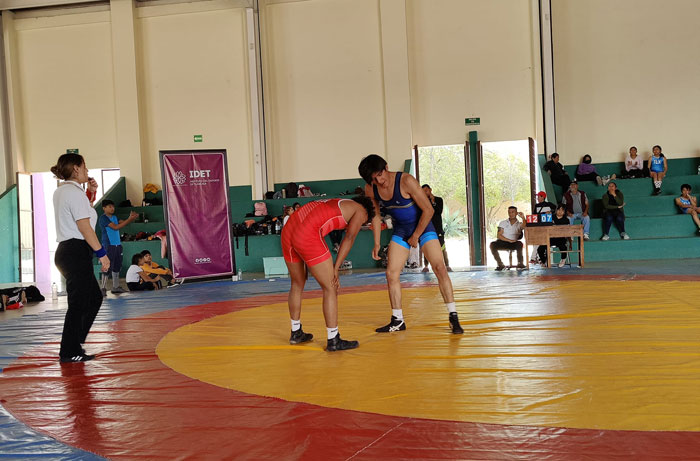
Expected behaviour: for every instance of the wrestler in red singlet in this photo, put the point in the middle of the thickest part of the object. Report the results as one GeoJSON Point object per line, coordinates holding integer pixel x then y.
{"type": "Point", "coordinates": [303, 235]}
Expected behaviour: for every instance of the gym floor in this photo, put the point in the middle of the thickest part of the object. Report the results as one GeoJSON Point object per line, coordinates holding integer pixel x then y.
{"type": "Point", "coordinates": [594, 363]}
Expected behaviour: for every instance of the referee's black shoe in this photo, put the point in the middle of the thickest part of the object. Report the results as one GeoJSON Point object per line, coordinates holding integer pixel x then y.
{"type": "Point", "coordinates": [77, 358]}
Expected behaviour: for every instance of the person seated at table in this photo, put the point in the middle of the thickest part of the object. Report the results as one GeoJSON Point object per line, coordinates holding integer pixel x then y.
{"type": "Point", "coordinates": [577, 207]}
{"type": "Point", "coordinates": [542, 206]}
{"type": "Point", "coordinates": [510, 231]}
{"type": "Point", "coordinates": [688, 204]}
{"type": "Point", "coordinates": [613, 203]}
{"type": "Point", "coordinates": [559, 219]}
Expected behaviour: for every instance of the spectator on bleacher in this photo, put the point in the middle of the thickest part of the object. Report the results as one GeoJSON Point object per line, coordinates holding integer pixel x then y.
{"type": "Point", "coordinates": [688, 204]}
{"type": "Point", "coordinates": [586, 172]}
{"type": "Point", "coordinates": [613, 204]}
{"type": "Point", "coordinates": [559, 219]}
{"type": "Point", "coordinates": [288, 211]}
{"type": "Point", "coordinates": [557, 172]}
{"type": "Point", "coordinates": [109, 227]}
{"type": "Point", "coordinates": [510, 231]}
{"type": "Point", "coordinates": [658, 167]}
{"type": "Point", "coordinates": [577, 207]}
{"type": "Point", "coordinates": [296, 206]}
{"type": "Point", "coordinates": [154, 270]}
{"type": "Point", "coordinates": [634, 165]}
{"type": "Point", "coordinates": [136, 278]}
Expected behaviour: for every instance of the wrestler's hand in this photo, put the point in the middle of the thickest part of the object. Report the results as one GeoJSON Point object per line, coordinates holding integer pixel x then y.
{"type": "Point", "coordinates": [375, 253]}
{"type": "Point", "coordinates": [413, 241]}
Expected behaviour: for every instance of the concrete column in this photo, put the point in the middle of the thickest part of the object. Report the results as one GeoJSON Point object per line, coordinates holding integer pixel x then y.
{"type": "Point", "coordinates": [126, 99]}
{"type": "Point", "coordinates": [397, 95]}
{"type": "Point", "coordinates": [10, 106]}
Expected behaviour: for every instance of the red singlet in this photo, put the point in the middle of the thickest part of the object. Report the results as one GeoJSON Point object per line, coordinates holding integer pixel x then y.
{"type": "Point", "coordinates": [303, 235]}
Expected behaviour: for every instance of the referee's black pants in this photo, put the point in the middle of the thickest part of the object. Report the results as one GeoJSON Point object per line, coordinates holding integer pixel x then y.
{"type": "Point", "coordinates": [74, 261]}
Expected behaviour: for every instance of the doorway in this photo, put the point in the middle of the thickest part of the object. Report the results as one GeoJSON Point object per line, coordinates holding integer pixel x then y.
{"type": "Point", "coordinates": [443, 169]}
{"type": "Point", "coordinates": [507, 182]}
{"type": "Point", "coordinates": [39, 197]}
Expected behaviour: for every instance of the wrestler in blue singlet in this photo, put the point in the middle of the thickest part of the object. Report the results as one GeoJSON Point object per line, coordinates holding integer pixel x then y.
{"type": "Point", "coordinates": [405, 214]}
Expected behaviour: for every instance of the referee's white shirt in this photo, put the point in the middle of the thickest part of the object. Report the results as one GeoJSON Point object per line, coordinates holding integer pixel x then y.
{"type": "Point", "coordinates": [70, 204]}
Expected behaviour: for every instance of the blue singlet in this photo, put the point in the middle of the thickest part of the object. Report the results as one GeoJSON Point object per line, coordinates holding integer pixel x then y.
{"type": "Point", "coordinates": [405, 215]}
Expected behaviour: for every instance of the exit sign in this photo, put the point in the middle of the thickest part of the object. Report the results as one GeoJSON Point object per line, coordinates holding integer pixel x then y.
{"type": "Point", "coordinates": [198, 138]}
{"type": "Point", "coordinates": [72, 151]}
{"type": "Point", "coordinates": [472, 121]}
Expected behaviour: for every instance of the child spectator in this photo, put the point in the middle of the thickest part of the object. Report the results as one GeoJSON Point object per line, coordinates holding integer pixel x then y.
{"type": "Point", "coordinates": [153, 269]}
{"type": "Point", "coordinates": [613, 202]}
{"type": "Point", "coordinates": [634, 165]}
{"type": "Point", "coordinates": [557, 172]}
{"type": "Point", "coordinates": [658, 167]}
{"type": "Point", "coordinates": [136, 278]}
{"type": "Point", "coordinates": [688, 204]}
{"type": "Point", "coordinates": [109, 226]}
{"type": "Point", "coordinates": [586, 172]}
{"type": "Point", "coordinates": [288, 211]}
{"type": "Point", "coordinates": [559, 219]}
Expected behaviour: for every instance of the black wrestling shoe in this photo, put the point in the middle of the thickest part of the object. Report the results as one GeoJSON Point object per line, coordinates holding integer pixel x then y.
{"type": "Point", "coordinates": [338, 344]}
{"type": "Point", "coordinates": [394, 325]}
{"type": "Point", "coordinates": [77, 358]}
{"type": "Point", "coordinates": [299, 337]}
{"type": "Point", "coordinates": [454, 323]}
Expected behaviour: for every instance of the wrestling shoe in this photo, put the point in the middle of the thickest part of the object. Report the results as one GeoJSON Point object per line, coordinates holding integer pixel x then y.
{"type": "Point", "coordinates": [299, 337]}
{"type": "Point", "coordinates": [394, 325]}
{"type": "Point", "coordinates": [104, 292]}
{"type": "Point", "coordinates": [454, 323]}
{"type": "Point", "coordinates": [118, 290]}
{"type": "Point", "coordinates": [338, 344]}
{"type": "Point", "coordinates": [77, 358]}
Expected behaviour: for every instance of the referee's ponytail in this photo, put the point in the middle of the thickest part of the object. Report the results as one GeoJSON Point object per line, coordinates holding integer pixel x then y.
{"type": "Point", "coordinates": [63, 169]}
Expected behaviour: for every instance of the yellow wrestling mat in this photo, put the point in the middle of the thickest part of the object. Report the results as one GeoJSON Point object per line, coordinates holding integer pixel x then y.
{"type": "Point", "coordinates": [601, 354]}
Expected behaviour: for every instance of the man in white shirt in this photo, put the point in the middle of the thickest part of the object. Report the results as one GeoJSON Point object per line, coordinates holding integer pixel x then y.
{"type": "Point", "coordinates": [510, 231]}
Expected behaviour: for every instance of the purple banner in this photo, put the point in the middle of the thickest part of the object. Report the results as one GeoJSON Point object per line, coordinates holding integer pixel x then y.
{"type": "Point", "coordinates": [195, 193]}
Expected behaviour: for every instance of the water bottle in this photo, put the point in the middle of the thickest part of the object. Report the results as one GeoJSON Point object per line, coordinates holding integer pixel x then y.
{"type": "Point", "coordinates": [54, 291]}
{"type": "Point", "coordinates": [240, 274]}
{"type": "Point", "coordinates": [698, 169]}
{"type": "Point", "coordinates": [278, 224]}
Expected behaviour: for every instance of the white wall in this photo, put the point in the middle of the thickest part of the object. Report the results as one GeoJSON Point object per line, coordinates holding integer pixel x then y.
{"type": "Point", "coordinates": [626, 72]}
{"type": "Point", "coordinates": [471, 58]}
{"type": "Point", "coordinates": [66, 90]}
{"type": "Point", "coordinates": [193, 80]}
{"type": "Point", "coordinates": [325, 87]}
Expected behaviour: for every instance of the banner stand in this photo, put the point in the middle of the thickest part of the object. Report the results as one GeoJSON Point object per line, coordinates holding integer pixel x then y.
{"type": "Point", "coordinates": [197, 213]}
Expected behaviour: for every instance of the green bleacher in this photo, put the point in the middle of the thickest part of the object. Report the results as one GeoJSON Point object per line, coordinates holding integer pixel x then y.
{"type": "Point", "coordinates": [656, 228]}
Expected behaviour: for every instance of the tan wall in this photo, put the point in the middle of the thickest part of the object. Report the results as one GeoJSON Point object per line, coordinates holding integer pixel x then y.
{"type": "Point", "coordinates": [626, 73]}
{"type": "Point", "coordinates": [193, 80]}
{"type": "Point", "coordinates": [325, 88]}
{"type": "Point", "coordinates": [64, 69]}
{"type": "Point", "coordinates": [471, 58]}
